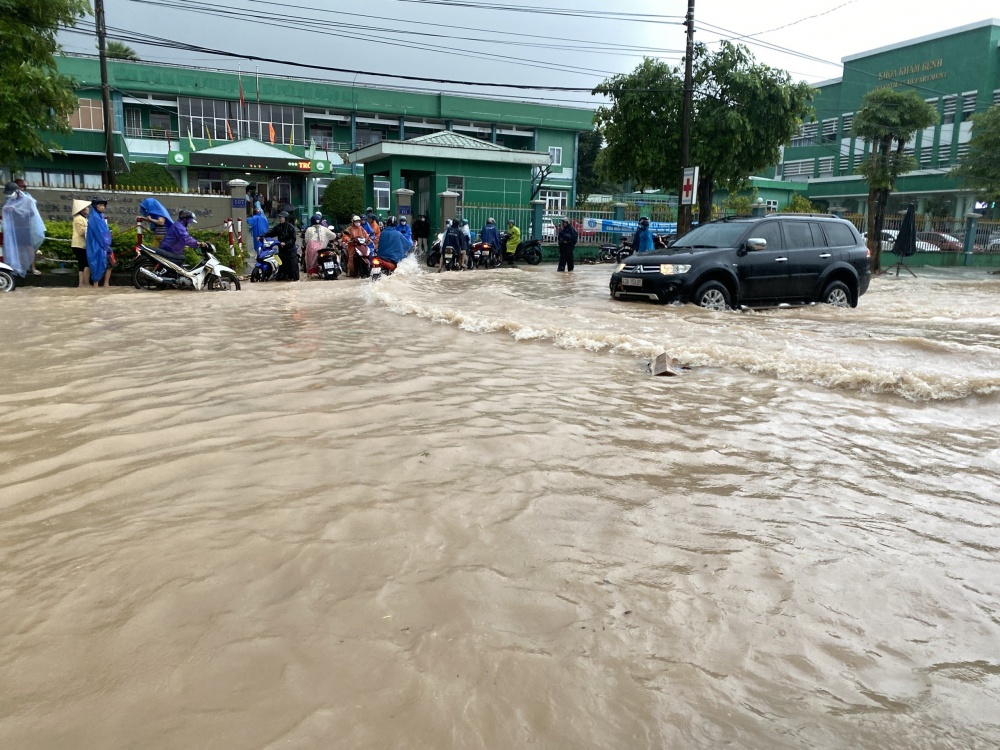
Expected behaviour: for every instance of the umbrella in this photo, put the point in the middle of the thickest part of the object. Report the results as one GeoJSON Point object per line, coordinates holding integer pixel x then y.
{"type": "Point", "coordinates": [906, 241]}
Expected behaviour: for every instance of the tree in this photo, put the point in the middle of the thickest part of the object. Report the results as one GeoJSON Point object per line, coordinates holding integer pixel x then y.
{"type": "Point", "coordinates": [120, 51]}
{"type": "Point", "coordinates": [799, 204]}
{"type": "Point", "coordinates": [538, 176]}
{"type": "Point", "coordinates": [887, 120]}
{"type": "Point", "coordinates": [343, 198]}
{"type": "Point", "coordinates": [35, 99]}
{"type": "Point", "coordinates": [980, 168]}
{"type": "Point", "coordinates": [146, 175]}
{"type": "Point", "coordinates": [743, 112]}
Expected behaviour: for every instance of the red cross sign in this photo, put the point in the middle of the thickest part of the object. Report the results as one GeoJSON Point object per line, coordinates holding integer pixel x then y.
{"type": "Point", "coordinates": [689, 186]}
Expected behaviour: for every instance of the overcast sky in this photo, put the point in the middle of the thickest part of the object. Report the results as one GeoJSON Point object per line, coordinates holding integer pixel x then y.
{"type": "Point", "coordinates": [515, 46]}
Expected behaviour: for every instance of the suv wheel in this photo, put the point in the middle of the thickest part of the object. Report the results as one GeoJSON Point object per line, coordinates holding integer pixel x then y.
{"type": "Point", "coordinates": [836, 294]}
{"type": "Point", "coordinates": [712, 295]}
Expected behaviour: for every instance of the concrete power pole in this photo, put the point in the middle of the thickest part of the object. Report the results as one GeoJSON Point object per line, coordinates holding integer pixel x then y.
{"type": "Point", "coordinates": [109, 125]}
{"type": "Point", "coordinates": [684, 212]}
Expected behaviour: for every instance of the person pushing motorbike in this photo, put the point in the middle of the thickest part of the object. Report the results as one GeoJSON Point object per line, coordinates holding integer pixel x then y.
{"type": "Point", "coordinates": [178, 237]}
{"type": "Point", "coordinates": [284, 232]}
{"type": "Point", "coordinates": [513, 239]}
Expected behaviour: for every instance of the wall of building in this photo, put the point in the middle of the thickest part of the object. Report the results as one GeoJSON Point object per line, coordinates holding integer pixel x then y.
{"type": "Point", "coordinates": [56, 205]}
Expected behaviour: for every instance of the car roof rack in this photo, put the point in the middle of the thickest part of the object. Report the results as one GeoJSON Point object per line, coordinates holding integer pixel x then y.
{"type": "Point", "coordinates": [814, 215]}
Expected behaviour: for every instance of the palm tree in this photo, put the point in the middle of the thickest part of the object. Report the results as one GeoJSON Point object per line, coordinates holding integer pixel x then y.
{"type": "Point", "coordinates": [120, 51]}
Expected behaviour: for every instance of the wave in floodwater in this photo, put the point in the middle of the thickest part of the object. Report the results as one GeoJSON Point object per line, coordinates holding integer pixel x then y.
{"type": "Point", "coordinates": [924, 339]}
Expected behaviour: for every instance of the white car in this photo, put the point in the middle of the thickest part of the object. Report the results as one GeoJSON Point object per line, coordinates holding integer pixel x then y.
{"type": "Point", "coordinates": [548, 229]}
{"type": "Point", "coordinates": [889, 239]}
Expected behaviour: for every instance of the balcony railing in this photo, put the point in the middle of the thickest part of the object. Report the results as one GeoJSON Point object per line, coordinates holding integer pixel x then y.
{"type": "Point", "coordinates": [155, 133]}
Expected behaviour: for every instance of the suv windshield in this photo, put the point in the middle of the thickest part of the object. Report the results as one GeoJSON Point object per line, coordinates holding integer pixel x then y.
{"type": "Point", "coordinates": [711, 237]}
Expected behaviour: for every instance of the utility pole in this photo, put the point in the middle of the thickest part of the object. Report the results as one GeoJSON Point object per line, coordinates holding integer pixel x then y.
{"type": "Point", "coordinates": [684, 212]}
{"type": "Point", "coordinates": [109, 125]}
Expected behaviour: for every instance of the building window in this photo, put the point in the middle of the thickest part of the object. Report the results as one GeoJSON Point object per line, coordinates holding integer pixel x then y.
{"type": "Point", "coordinates": [321, 135]}
{"type": "Point", "coordinates": [63, 179]}
{"type": "Point", "coordinates": [382, 195]}
{"type": "Point", "coordinates": [363, 137]}
{"type": "Point", "coordinates": [133, 122]}
{"type": "Point", "coordinates": [806, 135]}
{"type": "Point", "coordinates": [826, 167]}
{"type": "Point", "coordinates": [89, 115]}
{"type": "Point", "coordinates": [969, 105]}
{"type": "Point", "coordinates": [556, 201]}
{"type": "Point", "coordinates": [848, 125]}
{"type": "Point", "coordinates": [830, 130]}
{"type": "Point", "coordinates": [202, 117]}
{"type": "Point", "coordinates": [555, 156]}
{"type": "Point", "coordinates": [160, 125]}
{"type": "Point", "coordinates": [771, 206]}
{"type": "Point", "coordinates": [210, 182]}
{"type": "Point", "coordinates": [457, 185]}
{"type": "Point", "coordinates": [950, 105]}
{"type": "Point", "coordinates": [800, 168]}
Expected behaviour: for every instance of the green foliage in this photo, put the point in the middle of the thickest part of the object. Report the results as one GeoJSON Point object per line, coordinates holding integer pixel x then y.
{"type": "Point", "coordinates": [799, 204]}
{"type": "Point", "coordinates": [741, 205]}
{"type": "Point", "coordinates": [743, 112]}
{"type": "Point", "coordinates": [146, 175]}
{"type": "Point", "coordinates": [980, 168]}
{"type": "Point", "coordinates": [588, 178]}
{"type": "Point", "coordinates": [120, 51]}
{"type": "Point", "coordinates": [34, 97]}
{"type": "Point", "coordinates": [887, 119]}
{"type": "Point", "coordinates": [59, 233]}
{"type": "Point", "coordinates": [344, 197]}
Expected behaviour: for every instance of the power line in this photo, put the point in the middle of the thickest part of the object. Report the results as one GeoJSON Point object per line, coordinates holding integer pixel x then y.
{"type": "Point", "coordinates": [570, 12]}
{"type": "Point", "coordinates": [802, 20]}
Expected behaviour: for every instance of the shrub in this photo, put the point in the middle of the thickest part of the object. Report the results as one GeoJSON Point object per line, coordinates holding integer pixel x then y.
{"type": "Point", "coordinates": [146, 175]}
{"type": "Point", "coordinates": [800, 205]}
{"type": "Point", "coordinates": [344, 197]}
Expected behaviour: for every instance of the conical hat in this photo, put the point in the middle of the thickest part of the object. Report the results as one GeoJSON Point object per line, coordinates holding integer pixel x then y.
{"type": "Point", "coordinates": [79, 205]}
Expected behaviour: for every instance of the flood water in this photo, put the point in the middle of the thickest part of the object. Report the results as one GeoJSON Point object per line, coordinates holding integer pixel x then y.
{"type": "Point", "coordinates": [455, 511]}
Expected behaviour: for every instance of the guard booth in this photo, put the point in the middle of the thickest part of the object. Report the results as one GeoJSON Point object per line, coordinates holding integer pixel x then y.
{"type": "Point", "coordinates": [480, 172]}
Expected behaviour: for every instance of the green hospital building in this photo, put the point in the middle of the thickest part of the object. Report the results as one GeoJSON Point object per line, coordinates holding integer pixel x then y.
{"type": "Point", "coordinates": [290, 137]}
{"type": "Point", "coordinates": [956, 71]}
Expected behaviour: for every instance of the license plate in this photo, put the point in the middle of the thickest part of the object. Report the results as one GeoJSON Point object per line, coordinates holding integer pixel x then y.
{"type": "Point", "coordinates": [631, 282]}
{"type": "Point", "coordinates": [447, 254]}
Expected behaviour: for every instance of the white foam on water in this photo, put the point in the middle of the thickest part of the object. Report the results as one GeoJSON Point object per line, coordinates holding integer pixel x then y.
{"type": "Point", "coordinates": [858, 349]}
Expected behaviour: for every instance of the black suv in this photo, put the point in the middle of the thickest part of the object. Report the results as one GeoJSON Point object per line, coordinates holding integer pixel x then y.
{"type": "Point", "coordinates": [754, 261]}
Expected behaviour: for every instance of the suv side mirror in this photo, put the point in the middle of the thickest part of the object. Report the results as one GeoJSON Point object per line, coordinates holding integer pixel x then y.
{"type": "Point", "coordinates": [756, 243]}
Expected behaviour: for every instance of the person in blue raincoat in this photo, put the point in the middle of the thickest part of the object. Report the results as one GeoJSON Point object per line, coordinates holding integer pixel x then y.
{"type": "Point", "coordinates": [392, 245]}
{"type": "Point", "coordinates": [490, 234]}
{"type": "Point", "coordinates": [258, 228]}
{"type": "Point", "coordinates": [99, 243]}
{"type": "Point", "coordinates": [152, 210]}
{"type": "Point", "coordinates": [643, 241]}
{"type": "Point", "coordinates": [404, 229]}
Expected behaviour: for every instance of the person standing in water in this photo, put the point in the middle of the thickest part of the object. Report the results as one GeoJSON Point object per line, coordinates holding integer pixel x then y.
{"type": "Point", "coordinates": [78, 244]}
{"type": "Point", "coordinates": [99, 243]}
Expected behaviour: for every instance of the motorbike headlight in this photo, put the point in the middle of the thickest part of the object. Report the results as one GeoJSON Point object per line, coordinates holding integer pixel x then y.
{"type": "Point", "coordinates": [673, 269]}
{"type": "Point", "coordinates": [619, 268]}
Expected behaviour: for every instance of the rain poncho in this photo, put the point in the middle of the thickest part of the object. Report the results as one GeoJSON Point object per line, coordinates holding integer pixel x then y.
{"type": "Point", "coordinates": [152, 207]}
{"type": "Point", "coordinates": [392, 245]}
{"type": "Point", "coordinates": [404, 229]}
{"type": "Point", "coordinates": [98, 244]}
{"type": "Point", "coordinates": [317, 237]}
{"type": "Point", "coordinates": [491, 236]}
{"type": "Point", "coordinates": [514, 240]}
{"type": "Point", "coordinates": [258, 228]}
{"type": "Point", "coordinates": [23, 232]}
{"type": "Point", "coordinates": [177, 239]}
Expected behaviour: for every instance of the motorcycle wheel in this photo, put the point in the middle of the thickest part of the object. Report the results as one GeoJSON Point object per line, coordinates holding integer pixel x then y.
{"type": "Point", "coordinates": [533, 256]}
{"type": "Point", "coordinates": [255, 276]}
{"type": "Point", "coordinates": [141, 281]}
{"type": "Point", "coordinates": [433, 259]}
{"type": "Point", "coordinates": [7, 282]}
{"type": "Point", "coordinates": [228, 283]}
{"type": "Point", "coordinates": [605, 256]}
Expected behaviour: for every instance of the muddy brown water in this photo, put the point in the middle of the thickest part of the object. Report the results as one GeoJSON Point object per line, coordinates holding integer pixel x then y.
{"type": "Point", "coordinates": [454, 511]}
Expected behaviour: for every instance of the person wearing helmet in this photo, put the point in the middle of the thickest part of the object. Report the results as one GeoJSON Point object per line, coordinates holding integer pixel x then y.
{"type": "Point", "coordinates": [643, 241]}
{"type": "Point", "coordinates": [490, 235]}
{"type": "Point", "coordinates": [99, 243]}
{"type": "Point", "coordinates": [258, 228]}
{"type": "Point", "coordinates": [370, 222]}
{"type": "Point", "coordinates": [513, 239]}
{"type": "Point", "coordinates": [453, 237]}
{"type": "Point", "coordinates": [179, 237]}
{"type": "Point", "coordinates": [355, 239]}
{"type": "Point", "coordinates": [392, 245]}
{"type": "Point", "coordinates": [404, 229]}
{"type": "Point", "coordinates": [568, 237]}
{"type": "Point", "coordinates": [284, 232]}
{"type": "Point", "coordinates": [316, 238]}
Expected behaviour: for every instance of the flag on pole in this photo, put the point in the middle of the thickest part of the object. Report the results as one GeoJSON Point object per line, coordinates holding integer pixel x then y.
{"type": "Point", "coordinates": [243, 101]}
{"type": "Point", "coordinates": [326, 144]}
{"type": "Point", "coordinates": [270, 127]}
{"type": "Point", "coordinates": [290, 131]}
{"type": "Point", "coordinates": [207, 134]}
{"type": "Point", "coordinates": [312, 149]}
{"type": "Point", "coordinates": [190, 138]}
{"type": "Point", "coordinates": [229, 131]}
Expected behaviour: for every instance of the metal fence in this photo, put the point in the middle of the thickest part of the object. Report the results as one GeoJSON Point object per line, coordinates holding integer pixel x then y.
{"type": "Point", "coordinates": [945, 234]}
{"type": "Point", "coordinates": [551, 222]}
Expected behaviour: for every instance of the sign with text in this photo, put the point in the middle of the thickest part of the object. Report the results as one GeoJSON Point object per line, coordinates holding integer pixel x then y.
{"type": "Point", "coordinates": [689, 187]}
{"type": "Point", "coordinates": [613, 226]}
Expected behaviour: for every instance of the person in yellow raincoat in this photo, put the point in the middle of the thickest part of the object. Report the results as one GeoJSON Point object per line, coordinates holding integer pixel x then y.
{"type": "Point", "coordinates": [514, 239]}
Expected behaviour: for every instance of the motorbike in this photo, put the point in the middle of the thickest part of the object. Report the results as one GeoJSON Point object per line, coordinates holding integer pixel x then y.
{"type": "Point", "coordinates": [452, 256]}
{"type": "Point", "coordinates": [530, 251]}
{"type": "Point", "coordinates": [268, 261]}
{"type": "Point", "coordinates": [153, 271]}
{"type": "Point", "coordinates": [484, 255]}
{"type": "Point", "coordinates": [615, 253]}
{"type": "Point", "coordinates": [7, 276]}
{"type": "Point", "coordinates": [328, 260]}
{"type": "Point", "coordinates": [362, 264]}
{"type": "Point", "coordinates": [381, 267]}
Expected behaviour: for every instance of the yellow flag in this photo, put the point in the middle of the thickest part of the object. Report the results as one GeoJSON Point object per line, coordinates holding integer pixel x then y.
{"type": "Point", "coordinates": [207, 135]}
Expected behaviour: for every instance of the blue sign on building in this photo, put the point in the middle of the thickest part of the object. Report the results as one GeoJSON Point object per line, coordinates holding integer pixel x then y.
{"type": "Point", "coordinates": [240, 203]}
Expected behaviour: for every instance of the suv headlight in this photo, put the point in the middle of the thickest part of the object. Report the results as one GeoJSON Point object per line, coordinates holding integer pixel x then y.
{"type": "Point", "coordinates": [672, 269]}
{"type": "Point", "coordinates": [619, 268]}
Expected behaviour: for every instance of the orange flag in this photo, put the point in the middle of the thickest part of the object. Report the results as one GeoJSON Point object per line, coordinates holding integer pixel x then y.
{"type": "Point", "coordinates": [229, 131]}
{"type": "Point", "coordinates": [271, 128]}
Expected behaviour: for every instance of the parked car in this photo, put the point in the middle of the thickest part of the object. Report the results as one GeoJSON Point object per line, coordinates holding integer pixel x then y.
{"type": "Point", "coordinates": [548, 229]}
{"type": "Point", "coordinates": [754, 261]}
{"type": "Point", "coordinates": [993, 243]}
{"type": "Point", "coordinates": [889, 239]}
{"type": "Point", "coordinates": [941, 241]}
